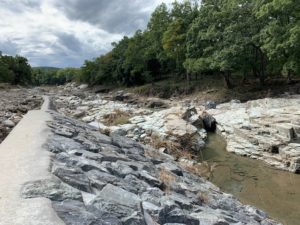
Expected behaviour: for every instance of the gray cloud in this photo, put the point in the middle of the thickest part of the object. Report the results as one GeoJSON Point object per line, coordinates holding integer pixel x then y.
{"type": "Point", "coordinates": [65, 33]}
{"type": "Point", "coordinates": [114, 16]}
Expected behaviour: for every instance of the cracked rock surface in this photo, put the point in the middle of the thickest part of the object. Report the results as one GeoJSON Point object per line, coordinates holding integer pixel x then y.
{"type": "Point", "coordinates": [266, 129]}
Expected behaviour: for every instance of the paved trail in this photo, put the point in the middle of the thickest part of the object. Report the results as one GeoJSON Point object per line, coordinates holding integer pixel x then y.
{"type": "Point", "coordinates": [23, 159]}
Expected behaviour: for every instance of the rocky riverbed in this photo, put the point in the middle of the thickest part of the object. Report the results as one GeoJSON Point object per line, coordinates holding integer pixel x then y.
{"type": "Point", "coordinates": [104, 144]}
{"type": "Point", "coordinates": [266, 129]}
{"type": "Point", "coordinates": [100, 179]}
{"type": "Point", "coordinates": [14, 103]}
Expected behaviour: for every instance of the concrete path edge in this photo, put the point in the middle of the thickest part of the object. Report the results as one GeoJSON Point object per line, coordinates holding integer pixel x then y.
{"type": "Point", "coordinates": [24, 159]}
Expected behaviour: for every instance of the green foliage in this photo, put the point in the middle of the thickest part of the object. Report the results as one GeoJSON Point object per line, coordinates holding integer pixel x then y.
{"type": "Point", "coordinates": [54, 76]}
{"type": "Point", "coordinates": [281, 36]}
{"type": "Point", "coordinates": [225, 37]}
{"type": "Point", "coordinates": [14, 70]}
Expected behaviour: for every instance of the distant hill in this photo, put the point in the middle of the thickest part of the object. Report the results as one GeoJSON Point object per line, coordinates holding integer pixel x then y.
{"type": "Point", "coordinates": [46, 68]}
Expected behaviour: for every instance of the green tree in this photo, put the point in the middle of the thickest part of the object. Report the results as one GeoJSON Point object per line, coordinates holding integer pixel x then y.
{"type": "Point", "coordinates": [280, 37]}
{"type": "Point", "coordinates": [18, 70]}
{"type": "Point", "coordinates": [174, 38]}
{"type": "Point", "coordinates": [6, 75]}
{"type": "Point", "coordinates": [157, 26]}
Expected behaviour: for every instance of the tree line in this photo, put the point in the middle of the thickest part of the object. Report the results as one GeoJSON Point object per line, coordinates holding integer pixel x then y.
{"type": "Point", "coordinates": [54, 76]}
{"type": "Point", "coordinates": [251, 39]}
{"type": "Point", "coordinates": [16, 70]}
{"type": "Point", "coordinates": [247, 38]}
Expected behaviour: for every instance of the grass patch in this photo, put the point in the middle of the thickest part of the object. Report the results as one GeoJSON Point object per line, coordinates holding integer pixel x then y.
{"type": "Point", "coordinates": [203, 197]}
{"type": "Point", "coordinates": [167, 178]}
{"type": "Point", "coordinates": [117, 117]}
{"type": "Point", "coordinates": [174, 148]}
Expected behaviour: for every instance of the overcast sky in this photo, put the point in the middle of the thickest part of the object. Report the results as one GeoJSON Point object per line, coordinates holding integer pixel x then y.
{"type": "Point", "coordinates": [64, 33]}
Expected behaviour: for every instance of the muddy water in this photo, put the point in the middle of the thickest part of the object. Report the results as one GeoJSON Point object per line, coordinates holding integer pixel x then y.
{"type": "Point", "coordinates": [252, 182]}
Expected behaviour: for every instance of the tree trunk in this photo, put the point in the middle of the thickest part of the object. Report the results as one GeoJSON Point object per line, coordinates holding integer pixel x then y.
{"type": "Point", "coordinates": [262, 74]}
{"type": "Point", "coordinates": [289, 77]}
{"type": "Point", "coordinates": [187, 82]}
{"type": "Point", "coordinates": [244, 80]}
{"type": "Point", "coordinates": [226, 76]}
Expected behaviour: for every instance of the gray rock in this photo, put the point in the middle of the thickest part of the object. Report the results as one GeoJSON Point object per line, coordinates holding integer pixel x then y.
{"type": "Point", "coordinates": [151, 208]}
{"type": "Point", "coordinates": [189, 113]}
{"type": "Point", "coordinates": [153, 195]}
{"type": "Point", "coordinates": [74, 178]}
{"type": "Point", "coordinates": [116, 201]}
{"type": "Point", "coordinates": [171, 167]}
{"type": "Point", "coordinates": [8, 123]}
{"type": "Point", "coordinates": [121, 96]}
{"type": "Point", "coordinates": [150, 179]}
{"type": "Point", "coordinates": [173, 214]}
{"type": "Point", "coordinates": [53, 189]}
{"type": "Point", "coordinates": [75, 213]}
{"type": "Point", "coordinates": [133, 184]}
{"type": "Point", "coordinates": [209, 122]}
{"type": "Point", "coordinates": [99, 180]}
{"type": "Point", "coordinates": [65, 131]}
{"type": "Point", "coordinates": [62, 144]}
{"type": "Point", "coordinates": [156, 103]}
{"type": "Point", "coordinates": [211, 218]}
{"type": "Point", "coordinates": [119, 132]}
{"type": "Point", "coordinates": [196, 121]}
{"type": "Point", "coordinates": [83, 86]}
{"type": "Point", "coordinates": [118, 169]}
{"type": "Point", "coordinates": [79, 114]}
{"type": "Point", "coordinates": [123, 142]}
{"type": "Point", "coordinates": [183, 201]}
{"type": "Point", "coordinates": [210, 105]}
{"type": "Point", "coordinates": [134, 219]}
{"type": "Point", "coordinates": [118, 195]}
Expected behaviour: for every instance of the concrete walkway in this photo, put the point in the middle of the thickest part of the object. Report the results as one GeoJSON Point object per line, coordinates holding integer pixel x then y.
{"type": "Point", "coordinates": [23, 159]}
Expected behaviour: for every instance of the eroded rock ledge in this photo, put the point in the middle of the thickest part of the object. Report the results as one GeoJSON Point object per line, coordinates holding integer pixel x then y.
{"type": "Point", "coordinates": [266, 129]}
{"type": "Point", "coordinates": [101, 179]}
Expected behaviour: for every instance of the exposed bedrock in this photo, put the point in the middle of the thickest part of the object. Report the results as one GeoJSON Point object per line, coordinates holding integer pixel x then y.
{"type": "Point", "coordinates": [266, 129]}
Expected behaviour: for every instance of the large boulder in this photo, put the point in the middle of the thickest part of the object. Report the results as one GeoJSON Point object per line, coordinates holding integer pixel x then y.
{"type": "Point", "coordinates": [191, 116]}
{"type": "Point", "coordinates": [122, 96]}
{"type": "Point", "coordinates": [209, 122]}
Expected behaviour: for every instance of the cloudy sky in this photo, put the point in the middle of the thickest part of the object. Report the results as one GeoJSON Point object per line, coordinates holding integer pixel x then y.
{"type": "Point", "coordinates": [64, 33]}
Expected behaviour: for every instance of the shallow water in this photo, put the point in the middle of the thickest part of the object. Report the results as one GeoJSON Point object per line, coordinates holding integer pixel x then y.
{"type": "Point", "coordinates": [252, 182]}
